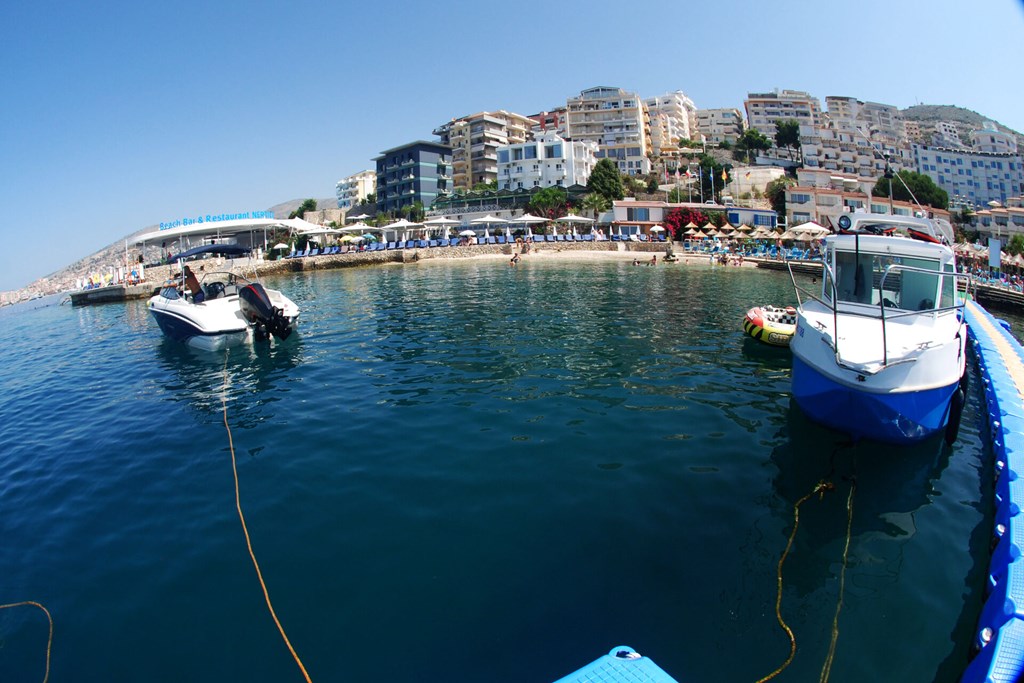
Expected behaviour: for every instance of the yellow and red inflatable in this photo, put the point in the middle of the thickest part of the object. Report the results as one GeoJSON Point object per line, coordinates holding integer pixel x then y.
{"type": "Point", "coordinates": [773, 325]}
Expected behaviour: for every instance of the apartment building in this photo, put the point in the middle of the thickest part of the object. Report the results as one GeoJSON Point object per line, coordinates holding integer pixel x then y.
{"type": "Point", "coordinates": [825, 204]}
{"type": "Point", "coordinates": [720, 125]}
{"type": "Point", "coordinates": [856, 137]}
{"type": "Point", "coordinates": [549, 122]}
{"type": "Point", "coordinates": [763, 109]}
{"type": "Point", "coordinates": [673, 116]}
{"type": "Point", "coordinates": [475, 140]}
{"type": "Point", "coordinates": [972, 177]}
{"type": "Point", "coordinates": [617, 121]}
{"type": "Point", "coordinates": [415, 172]}
{"type": "Point", "coordinates": [546, 161]}
{"type": "Point", "coordinates": [990, 139]}
{"type": "Point", "coordinates": [355, 188]}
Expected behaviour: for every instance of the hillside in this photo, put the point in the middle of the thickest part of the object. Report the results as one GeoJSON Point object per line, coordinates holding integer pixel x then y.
{"type": "Point", "coordinates": [967, 120]}
{"type": "Point", "coordinates": [113, 253]}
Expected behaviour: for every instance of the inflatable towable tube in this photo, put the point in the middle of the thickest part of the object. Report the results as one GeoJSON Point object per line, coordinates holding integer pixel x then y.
{"type": "Point", "coordinates": [772, 325]}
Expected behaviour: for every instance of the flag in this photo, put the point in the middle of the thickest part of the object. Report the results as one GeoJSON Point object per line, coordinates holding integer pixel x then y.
{"type": "Point", "coordinates": [724, 174]}
{"type": "Point", "coordinates": [677, 174]}
{"type": "Point", "coordinates": [688, 174]}
{"type": "Point", "coordinates": [747, 175]}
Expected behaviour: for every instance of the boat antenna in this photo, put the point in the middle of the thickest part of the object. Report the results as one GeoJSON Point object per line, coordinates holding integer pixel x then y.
{"type": "Point", "coordinates": [889, 174]}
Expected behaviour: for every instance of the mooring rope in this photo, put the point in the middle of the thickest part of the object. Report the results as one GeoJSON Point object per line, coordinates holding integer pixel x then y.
{"type": "Point", "coordinates": [821, 488]}
{"type": "Point", "coordinates": [49, 642]}
{"type": "Point", "coordinates": [245, 530]}
{"type": "Point", "coordinates": [826, 669]}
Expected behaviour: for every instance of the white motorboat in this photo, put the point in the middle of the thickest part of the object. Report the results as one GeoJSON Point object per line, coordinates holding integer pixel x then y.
{"type": "Point", "coordinates": [230, 309]}
{"type": "Point", "coordinates": [879, 352]}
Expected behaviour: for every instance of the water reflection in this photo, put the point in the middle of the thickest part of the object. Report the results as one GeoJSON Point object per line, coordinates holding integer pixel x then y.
{"type": "Point", "coordinates": [892, 484]}
{"type": "Point", "coordinates": [248, 377]}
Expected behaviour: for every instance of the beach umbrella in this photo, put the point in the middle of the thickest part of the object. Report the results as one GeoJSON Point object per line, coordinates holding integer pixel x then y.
{"type": "Point", "coordinates": [743, 227]}
{"type": "Point", "coordinates": [691, 224]}
{"type": "Point", "coordinates": [708, 227]}
{"type": "Point", "coordinates": [700, 235]}
{"type": "Point", "coordinates": [360, 217]}
{"type": "Point", "coordinates": [439, 222]}
{"type": "Point", "coordinates": [467, 233]}
{"type": "Point", "coordinates": [487, 220]}
{"type": "Point", "coordinates": [528, 218]}
{"type": "Point", "coordinates": [573, 218]}
{"type": "Point", "coordinates": [809, 231]}
{"type": "Point", "coordinates": [280, 245]}
{"type": "Point", "coordinates": [691, 231]}
{"type": "Point", "coordinates": [356, 227]}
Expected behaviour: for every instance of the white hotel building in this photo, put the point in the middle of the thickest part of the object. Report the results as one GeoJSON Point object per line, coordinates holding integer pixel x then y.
{"type": "Point", "coordinates": [763, 109]}
{"type": "Point", "coordinates": [355, 188]}
{"type": "Point", "coordinates": [673, 116]}
{"type": "Point", "coordinates": [617, 121]}
{"type": "Point", "coordinates": [547, 161]}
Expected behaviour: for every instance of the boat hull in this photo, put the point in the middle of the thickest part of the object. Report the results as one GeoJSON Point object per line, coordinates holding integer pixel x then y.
{"type": "Point", "coordinates": [898, 417]}
{"type": "Point", "coordinates": [183, 329]}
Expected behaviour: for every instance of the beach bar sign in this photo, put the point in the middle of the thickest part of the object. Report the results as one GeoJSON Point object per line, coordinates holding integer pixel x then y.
{"type": "Point", "coordinates": [215, 217]}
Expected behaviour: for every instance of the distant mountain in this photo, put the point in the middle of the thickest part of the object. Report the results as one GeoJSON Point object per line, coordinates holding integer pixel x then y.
{"type": "Point", "coordinates": [968, 120]}
{"type": "Point", "coordinates": [112, 254]}
{"type": "Point", "coordinates": [284, 209]}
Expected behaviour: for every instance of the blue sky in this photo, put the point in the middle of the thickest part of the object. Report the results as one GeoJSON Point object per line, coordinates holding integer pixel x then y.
{"type": "Point", "coordinates": [116, 116]}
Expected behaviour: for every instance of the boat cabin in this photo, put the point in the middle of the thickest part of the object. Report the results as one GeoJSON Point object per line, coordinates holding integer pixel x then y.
{"type": "Point", "coordinates": [888, 271]}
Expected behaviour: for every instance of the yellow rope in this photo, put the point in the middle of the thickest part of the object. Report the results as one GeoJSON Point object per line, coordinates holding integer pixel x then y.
{"type": "Point", "coordinates": [826, 669]}
{"type": "Point", "coordinates": [49, 642]}
{"type": "Point", "coordinates": [245, 530]}
{"type": "Point", "coordinates": [820, 489]}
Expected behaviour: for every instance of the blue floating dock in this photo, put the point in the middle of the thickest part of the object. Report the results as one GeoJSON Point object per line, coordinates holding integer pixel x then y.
{"type": "Point", "coordinates": [999, 638]}
{"type": "Point", "coordinates": [622, 664]}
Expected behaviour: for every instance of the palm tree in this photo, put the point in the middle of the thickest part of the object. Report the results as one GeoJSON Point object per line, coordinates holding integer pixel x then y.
{"type": "Point", "coordinates": [596, 202]}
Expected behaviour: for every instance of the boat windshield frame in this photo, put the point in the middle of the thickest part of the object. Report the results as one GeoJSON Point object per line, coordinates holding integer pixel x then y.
{"type": "Point", "coordinates": [868, 310]}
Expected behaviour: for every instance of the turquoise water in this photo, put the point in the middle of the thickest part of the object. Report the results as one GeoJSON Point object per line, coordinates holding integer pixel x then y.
{"type": "Point", "coordinates": [466, 472]}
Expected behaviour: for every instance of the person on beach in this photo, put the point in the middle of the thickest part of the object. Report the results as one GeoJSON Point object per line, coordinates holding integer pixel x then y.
{"type": "Point", "coordinates": [515, 260]}
{"type": "Point", "coordinates": [654, 260]}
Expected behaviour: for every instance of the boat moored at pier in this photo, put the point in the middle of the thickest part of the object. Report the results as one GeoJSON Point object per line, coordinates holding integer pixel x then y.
{"type": "Point", "coordinates": [879, 352]}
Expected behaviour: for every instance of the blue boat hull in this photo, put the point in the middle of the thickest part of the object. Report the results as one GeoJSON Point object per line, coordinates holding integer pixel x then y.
{"type": "Point", "coordinates": [894, 417]}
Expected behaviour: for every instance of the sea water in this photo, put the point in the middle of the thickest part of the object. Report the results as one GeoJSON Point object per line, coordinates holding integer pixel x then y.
{"type": "Point", "coordinates": [468, 472]}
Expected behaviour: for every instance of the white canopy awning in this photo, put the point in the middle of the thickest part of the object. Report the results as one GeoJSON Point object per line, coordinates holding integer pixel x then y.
{"type": "Point", "coordinates": [232, 227]}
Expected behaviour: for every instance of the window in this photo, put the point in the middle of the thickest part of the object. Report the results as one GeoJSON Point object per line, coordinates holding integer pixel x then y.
{"type": "Point", "coordinates": [502, 156]}
{"type": "Point", "coordinates": [530, 152]}
{"type": "Point", "coordinates": [638, 214]}
{"type": "Point", "coordinates": [553, 151]}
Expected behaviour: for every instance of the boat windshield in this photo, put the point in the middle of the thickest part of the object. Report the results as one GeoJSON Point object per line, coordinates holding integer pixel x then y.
{"type": "Point", "coordinates": [859, 281]}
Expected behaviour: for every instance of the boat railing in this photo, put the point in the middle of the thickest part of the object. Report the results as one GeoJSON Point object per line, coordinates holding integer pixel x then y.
{"type": "Point", "coordinates": [907, 314]}
{"type": "Point", "coordinates": [868, 312]}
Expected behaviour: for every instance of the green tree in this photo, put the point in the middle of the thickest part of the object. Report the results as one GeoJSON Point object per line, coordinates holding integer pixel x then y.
{"type": "Point", "coordinates": [484, 187]}
{"type": "Point", "coordinates": [306, 205]}
{"type": "Point", "coordinates": [551, 202]}
{"type": "Point", "coordinates": [605, 180]}
{"type": "Point", "coordinates": [652, 185]}
{"type": "Point", "coordinates": [371, 198]}
{"type": "Point", "coordinates": [751, 142]}
{"type": "Point", "coordinates": [787, 133]}
{"type": "Point", "coordinates": [922, 187]}
{"type": "Point", "coordinates": [596, 203]}
{"type": "Point", "coordinates": [1016, 245]}
{"type": "Point", "coordinates": [416, 212]}
{"type": "Point", "coordinates": [776, 194]}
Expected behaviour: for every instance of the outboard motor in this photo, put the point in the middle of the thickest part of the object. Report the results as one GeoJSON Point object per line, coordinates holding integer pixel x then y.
{"type": "Point", "coordinates": [258, 310]}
